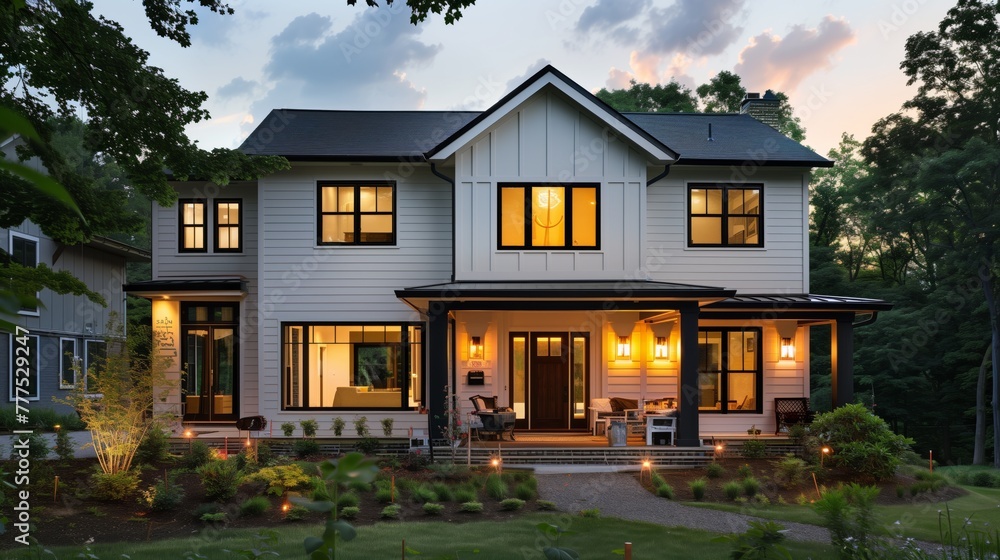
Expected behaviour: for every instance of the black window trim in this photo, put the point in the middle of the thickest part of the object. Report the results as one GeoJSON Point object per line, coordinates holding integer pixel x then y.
{"type": "Point", "coordinates": [404, 344]}
{"type": "Point", "coordinates": [725, 187]}
{"type": "Point", "coordinates": [527, 246]}
{"type": "Point", "coordinates": [356, 212]}
{"type": "Point", "coordinates": [29, 311]}
{"type": "Point", "coordinates": [724, 372]}
{"type": "Point", "coordinates": [73, 361]}
{"type": "Point", "coordinates": [181, 225]}
{"type": "Point", "coordinates": [218, 226]}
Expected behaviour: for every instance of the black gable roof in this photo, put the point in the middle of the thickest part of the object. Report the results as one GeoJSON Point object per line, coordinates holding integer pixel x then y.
{"type": "Point", "coordinates": [317, 135]}
{"type": "Point", "coordinates": [736, 139]}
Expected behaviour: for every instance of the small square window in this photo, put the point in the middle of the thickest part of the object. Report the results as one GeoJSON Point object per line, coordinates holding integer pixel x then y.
{"type": "Point", "coordinates": [725, 215]}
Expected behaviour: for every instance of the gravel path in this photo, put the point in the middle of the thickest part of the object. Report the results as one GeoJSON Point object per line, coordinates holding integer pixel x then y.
{"type": "Point", "coordinates": [619, 494]}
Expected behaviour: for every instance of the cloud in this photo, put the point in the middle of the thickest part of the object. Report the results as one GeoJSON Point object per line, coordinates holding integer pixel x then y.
{"type": "Point", "coordinates": [362, 66]}
{"type": "Point", "coordinates": [606, 15]}
{"type": "Point", "coordinates": [644, 67]}
{"type": "Point", "coordinates": [782, 63]}
{"type": "Point", "coordinates": [528, 72]}
{"type": "Point", "coordinates": [695, 27]}
{"type": "Point", "coordinates": [238, 87]}
{"type": "Point", "coordinates": [217, 30]}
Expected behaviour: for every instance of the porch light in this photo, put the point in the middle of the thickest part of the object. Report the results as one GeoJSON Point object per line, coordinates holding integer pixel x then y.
{"type": "Point", "coordinates": [787, 349]}
{"type": "Point", "coordinates": [624, 347]}
{"type": "Point", "coordinates": [662, 349]}
{"type": "Point", "coordinates": [475, 348]}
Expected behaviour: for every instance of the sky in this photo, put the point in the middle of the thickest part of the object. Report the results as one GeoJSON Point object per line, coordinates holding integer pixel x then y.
{"type": "Point", "coordinates": [837, 60]}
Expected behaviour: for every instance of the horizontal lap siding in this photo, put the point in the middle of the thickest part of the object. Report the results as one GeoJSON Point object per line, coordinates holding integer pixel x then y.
{"type": "Point", "coordinates": [350, 283]}
{"type": "Point", "coordinates": [780, 267]}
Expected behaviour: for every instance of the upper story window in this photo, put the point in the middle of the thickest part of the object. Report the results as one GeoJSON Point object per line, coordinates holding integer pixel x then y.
{"type": "Point", "coordinates": [549, 216]}
{"type": "Point", "coordinates": [725, 216]}
{"type": "Point", "coordinates": [362, 213]}
{"type": "Point", "coordinates": [24, 251]}
{"type": "Point", "coordinates": [228, 226]}
{"type": "Point", "coordinates": [193, 229]}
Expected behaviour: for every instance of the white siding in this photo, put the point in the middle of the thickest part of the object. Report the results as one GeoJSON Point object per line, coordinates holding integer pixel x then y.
{"type": "Point", "coordinates": [548, 139]}
{"type": "Point", "coordinates": [781, 266]}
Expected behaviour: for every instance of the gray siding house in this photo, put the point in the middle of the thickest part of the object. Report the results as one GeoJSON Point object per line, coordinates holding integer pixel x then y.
{"type": "Point", "coordinates": [548, 251]}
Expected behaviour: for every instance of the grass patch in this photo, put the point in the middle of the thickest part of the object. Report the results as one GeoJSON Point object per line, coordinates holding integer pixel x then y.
{"type": "Point", "coordinates": [921, 520]}
{"type": "Point", "coordinates": [493, 540]}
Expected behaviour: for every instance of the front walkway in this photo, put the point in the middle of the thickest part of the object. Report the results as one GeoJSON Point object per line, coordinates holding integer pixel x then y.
{"type": "Point", "coordinates": [619, 494]}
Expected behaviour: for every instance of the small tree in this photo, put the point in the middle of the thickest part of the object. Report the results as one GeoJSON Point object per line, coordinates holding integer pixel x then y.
{"type": "Point", "coordinates": [115, 396]}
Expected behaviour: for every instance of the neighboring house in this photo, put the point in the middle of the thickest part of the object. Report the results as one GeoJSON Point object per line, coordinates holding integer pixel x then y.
{"type": "Point", "coordinates": [63, 328]}
{"type": "Point", "coordinates": [549, 248]}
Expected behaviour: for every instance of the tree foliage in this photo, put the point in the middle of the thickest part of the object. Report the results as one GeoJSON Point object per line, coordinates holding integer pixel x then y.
{"type": "Point", "coordinates": [420, 9]}
{"type": "Point", "coordinates": [644, 98]}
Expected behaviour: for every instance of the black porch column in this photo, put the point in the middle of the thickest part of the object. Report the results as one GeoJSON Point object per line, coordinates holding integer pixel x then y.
{"type": "Point", "coordinates": [842, 360]}
{"type": "Point", "coordinates": [437, 370]}
{"type": "Point", "coordinates": [687, 421]}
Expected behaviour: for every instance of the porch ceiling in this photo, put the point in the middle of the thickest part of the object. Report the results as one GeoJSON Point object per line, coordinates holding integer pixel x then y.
{"type": "Point", "coordinates": [562, 295]}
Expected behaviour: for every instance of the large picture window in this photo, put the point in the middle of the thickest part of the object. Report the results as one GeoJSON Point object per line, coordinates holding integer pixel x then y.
{"type": "Point", "coordinates": [351, 366]}
{"type": "Point", "coordinates": [725, 216]}
{"type": "Point", "coordinates": [357, 213]}
{"type": "Point", "coordinates": [193, 232]}
{"type": "Point", "coordinates": [729, 370]}
{"type": "Point", "coordinates": [549, 216]}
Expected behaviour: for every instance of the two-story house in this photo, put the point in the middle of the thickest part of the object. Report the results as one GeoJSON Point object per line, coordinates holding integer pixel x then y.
{"type": "Point", "coordinates": [548, 250]}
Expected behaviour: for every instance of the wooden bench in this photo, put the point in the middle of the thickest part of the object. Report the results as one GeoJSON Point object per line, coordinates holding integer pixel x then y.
{"type": "Point", "coordinates": [789, 411]}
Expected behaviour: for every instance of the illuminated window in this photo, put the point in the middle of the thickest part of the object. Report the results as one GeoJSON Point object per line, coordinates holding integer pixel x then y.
{"type": "Point", "coordinates": [548, 217]}
{"type": "Point", "coordinates": [357, 213]}
{"type": "Point", "coordinates": [193, 230]}
{"type": "Point", "coordinates": [228, 226]}
{"type": "Point", "coordinates": [725, 216]}
{"type": "Point", "coordinates": [729, 365]}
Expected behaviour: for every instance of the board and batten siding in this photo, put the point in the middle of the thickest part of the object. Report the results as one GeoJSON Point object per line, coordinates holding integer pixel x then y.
{"type": "Point", "coordinates": [169, 263]}
{"type": "Point", "coordinates": [548, 139]}
{"type": "Point", "coordinates": [304, 282]}
{"type": "Point", "coordinates": [781, 266]}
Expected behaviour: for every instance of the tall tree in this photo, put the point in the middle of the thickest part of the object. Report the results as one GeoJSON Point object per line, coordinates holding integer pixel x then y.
{"type": "Point", "coordinates": [936, 164]}
{"type": "Point", "coordinates": [724, 93]}
{"type": "Point", "coordinates": [644, 98]}
{"type": "Point", "coordinates": [419, 9]}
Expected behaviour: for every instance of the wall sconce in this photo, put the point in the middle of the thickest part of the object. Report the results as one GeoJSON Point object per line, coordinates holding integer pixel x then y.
{"type": "Point", "coordinates": [786, 334]}
{"type": "Point", "coordinates": [624, 347]}
{"type": "Point", "coordinates": [476, 348]}
{"type": "Point", "coordinates": [661, 350]}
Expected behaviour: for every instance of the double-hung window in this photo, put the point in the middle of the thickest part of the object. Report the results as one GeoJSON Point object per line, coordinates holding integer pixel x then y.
{"type": "Point", "coordinates": [24, 251]}
{"type": "Point", "coordinates": [356, 213]}
{"type": "Point", "coordinates": [723, 215]}
{"type": "Point", "coordinates": [228, 226]}
{"type": "Point", "coordinates": [193, 226]}
{"type": "Point", "coordinates": [549, 216]}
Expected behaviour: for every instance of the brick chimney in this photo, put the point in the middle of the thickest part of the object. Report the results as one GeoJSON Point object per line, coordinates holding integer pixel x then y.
{"type": "Point", "coordinates": [764, 109]}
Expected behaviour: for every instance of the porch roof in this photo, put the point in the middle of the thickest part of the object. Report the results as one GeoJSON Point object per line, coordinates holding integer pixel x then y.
{"type": "Point", "coordinates": [565, 294]}
{"type": "Point", "coordinates": [800, 302]}
{"type": "Point", "coordinates": [222, 286]}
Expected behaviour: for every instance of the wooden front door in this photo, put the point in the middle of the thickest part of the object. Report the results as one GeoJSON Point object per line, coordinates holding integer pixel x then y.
{"type": "Point", "coordinates": [549, 391]}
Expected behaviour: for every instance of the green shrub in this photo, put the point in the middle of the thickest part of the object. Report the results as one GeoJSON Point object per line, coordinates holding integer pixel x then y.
{"type": "Point", "coordinates": [431, 508]}
{"type": "Point", "coordinates": [367, 445]}
{"type": "Point", "coordinates": [387, 426]}
{"type": "Point", "coordinates": [349, 512]}
{"type": "Point", "coordinates": [416, 461]}
{"type": "Point", "coordinates": [64, 446]}
{"type": "Point", "coordinates": [359, 486]}
{"type": "Point", "coordinates": [281, 478]}
{"type": "Point", "coordinates": [38, 447]}
{"type": "Point", "coordinates": [361, 426]}
{"type": "Point", "coordinates": [849, 513]}
{"type": "Point", "coordinates": [385, 494]}
{"type": "Point", "coordinates": [656, 480]}
{"type": "Point", "coordinates": [466, 494]}
{"type": "Point", "coordinates": [472, 507]}
{"type": "Point", "coordinates": [423, 494]}
{"type": "Point", "coordinates": [163, 496]}
{"type": "Point", "coordinates": [198, 454]}
{"type": "Point", "coordinates": [40, 418]}
{"type": "Point", "coordinates": [546, 505]}
{"type": "Point", "coordinates": [114, 487]}
{"type": "Point", "coordinates": [391, 512]}
{"type": "Point", "coordinates": [791, 470]}
{"type": "Point", "coordinates": [449, 471]}
{"type": "Point", "coordinates": [154, 447]}
{"type": "Point", "coordinates": [750, 486]}
{"type": "Point", "coordinates": [347, 499]}
{"type": "Point", "coordinates": [526, 491]}
{"type": "Point", "coordinates": [296, 513]}
{"type": "Point", "coordinates": [732, 490]}
{"type": "Point", "coordinates": [862, 442]}
{"type": "Point", "coordinates": [715, 470]}
{"type": "Point", "coordinates": [754, 449]}
{"type": "Point", "coordinates": [202, 509]}
{"type": "Point", "coordinates": [219, 517]}
{"type": "Point", "coordinates": [443, 491]}
{"type": "Point", "coordinates": [665, 491]}
{"type": "Point", "coordinates": [288, 428]}
{"type": "Point", "coordinates": [985, 479]}
{"type": "Point", "coordinates": [338, 426]}
{"type": "Point", "coordinates": [309, 427]}
{"type": "Point", "coordinates": [255, 506]}
{"type": "Point", "coordinates": [220, 479]}
{"type": "Point", "coordinates": [511, 504]}
{"type": "Point", "coordinates": [744, 471]}
{"type": "Point", "coordinates": [698, 488]}
{"type": "Point", "coordinates": [759, 542]}
{"type": "Point", "coordinates": [264, 454]}
{"type": "Point", "coordinates": [496, 488]}
{"type": "Point", "coordinates": [592, 513]}
{"type": "Point", "coordinates": [305, 448]}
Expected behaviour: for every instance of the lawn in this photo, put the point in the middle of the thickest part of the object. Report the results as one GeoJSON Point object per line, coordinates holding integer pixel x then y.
{"type": "Point", "coordinates": [591, 537]}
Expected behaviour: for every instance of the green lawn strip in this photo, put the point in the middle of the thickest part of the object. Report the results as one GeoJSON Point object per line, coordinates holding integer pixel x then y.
{"type": "Point", "coordinates": [777, 512]}
{"type": "Point", "coordinates": [921, 520]}
{"type": "Point", "coordinates": [592, 537]}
